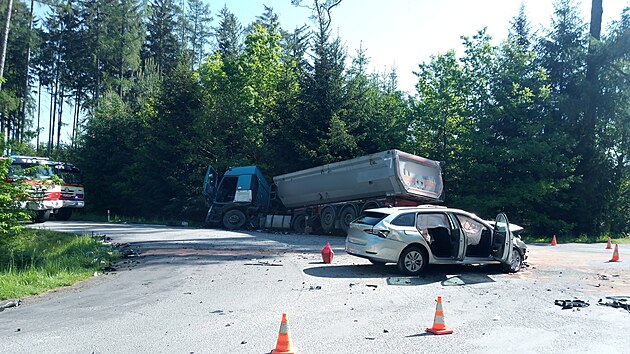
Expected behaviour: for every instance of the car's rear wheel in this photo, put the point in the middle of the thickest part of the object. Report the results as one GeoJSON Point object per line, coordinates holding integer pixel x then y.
{"type": "Point", "coordinates": [516, 264]}
{"type": "Point", "coordinates": [412, 260]}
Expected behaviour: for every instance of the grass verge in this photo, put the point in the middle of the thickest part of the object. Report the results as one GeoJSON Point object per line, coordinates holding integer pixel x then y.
{"type": "Point", "coordinates": [39, 260]}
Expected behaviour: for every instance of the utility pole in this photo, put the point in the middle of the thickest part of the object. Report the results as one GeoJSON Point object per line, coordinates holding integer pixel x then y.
{"type": "Point", "coordinates": [5, 38]}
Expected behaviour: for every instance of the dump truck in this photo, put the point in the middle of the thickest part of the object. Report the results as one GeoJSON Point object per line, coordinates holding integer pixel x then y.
{"type": "Point", "coordinates": [323, 198]}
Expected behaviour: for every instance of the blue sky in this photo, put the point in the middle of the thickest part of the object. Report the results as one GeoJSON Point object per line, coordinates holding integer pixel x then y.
{"type": "Point", "coordinates": [404, 33]}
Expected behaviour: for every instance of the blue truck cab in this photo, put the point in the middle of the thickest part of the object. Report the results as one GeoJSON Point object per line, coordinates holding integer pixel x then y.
{"type": "Point", "coordinates": [238, 197]}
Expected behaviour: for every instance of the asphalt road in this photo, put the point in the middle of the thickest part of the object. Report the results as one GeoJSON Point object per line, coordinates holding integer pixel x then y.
{"type": "Point", "coordinates": [213, 291]}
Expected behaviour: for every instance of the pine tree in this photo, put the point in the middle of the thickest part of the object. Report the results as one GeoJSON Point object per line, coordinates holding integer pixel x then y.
{"type": "Point", "coordinates": [162, 43]}
{"type": "Point", "coordinates": [199, 19]}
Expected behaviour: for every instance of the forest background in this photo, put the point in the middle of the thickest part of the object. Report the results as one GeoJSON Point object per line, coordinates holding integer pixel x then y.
{"type": "Point", "coordinates": [537, 126]}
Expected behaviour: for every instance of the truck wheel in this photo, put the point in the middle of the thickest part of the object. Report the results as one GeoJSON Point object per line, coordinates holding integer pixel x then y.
{"type": "Point", "coordinates": [42, 216]}
{"type": "Point", "coordinates": [63, 214]}
{"type": "Point", "coordinates": [348, 213]}
{"type": "Point", "coordinates": [327, 217]}
{"type": "Point", "coordinates": [369, 205]}
{"type": "Point", "coordinates": [298, 223]}
{"type": "Point", "coordinates": [234, 219]}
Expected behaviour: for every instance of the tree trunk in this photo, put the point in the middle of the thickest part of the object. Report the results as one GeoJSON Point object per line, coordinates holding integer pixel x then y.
{"type": "Point", "coordinates": [39, 112]}
{"type": "Point", "coordinates": [593, 184]}
{"type": "Point", "coordinates": [59, 124]}
{"type": "Point", "coordinates": [5, 39]}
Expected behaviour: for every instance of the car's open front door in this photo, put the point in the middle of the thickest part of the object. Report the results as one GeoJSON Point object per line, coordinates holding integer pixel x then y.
{"type": "Point", "coordinates": [502, 239]}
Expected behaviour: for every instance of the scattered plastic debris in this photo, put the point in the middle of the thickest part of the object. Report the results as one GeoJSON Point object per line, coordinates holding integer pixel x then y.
{"type": "Point", "coordinates": [617, 302]}
{"type": "Point", "coordinates": [14, 303]}
{"type": "Point", "coordinates": [265, 263]}
{"type": "Point", "coordinates": [569, 304]}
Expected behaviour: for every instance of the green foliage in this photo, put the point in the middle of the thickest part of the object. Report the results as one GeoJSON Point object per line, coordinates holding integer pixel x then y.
{"type": "Point", "coordinates": [162, 44]}
{"type": "Point", "coordinates": [39, 260]}
{"type": "Point", "coordinates": [12, 215]}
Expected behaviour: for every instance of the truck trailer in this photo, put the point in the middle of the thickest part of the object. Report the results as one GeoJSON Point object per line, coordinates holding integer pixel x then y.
{"type": "Point", "coordinates": [323, 198]}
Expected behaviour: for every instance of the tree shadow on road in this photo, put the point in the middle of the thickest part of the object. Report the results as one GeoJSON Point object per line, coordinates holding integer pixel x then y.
{"type": "Point", "coordinates": [447, 275]}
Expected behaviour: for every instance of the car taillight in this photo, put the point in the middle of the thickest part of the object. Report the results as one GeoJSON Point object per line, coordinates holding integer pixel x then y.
{"type": "Point", "coordinates": [379, 233]}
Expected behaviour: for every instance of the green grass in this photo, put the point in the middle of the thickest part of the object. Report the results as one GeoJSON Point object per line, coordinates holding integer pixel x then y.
{"type": "Point", "coordinates": [39, 260]}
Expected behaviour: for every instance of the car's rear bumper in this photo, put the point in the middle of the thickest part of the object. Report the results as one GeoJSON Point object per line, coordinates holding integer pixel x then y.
{"type": "Point", "coordinates": [375, 248]}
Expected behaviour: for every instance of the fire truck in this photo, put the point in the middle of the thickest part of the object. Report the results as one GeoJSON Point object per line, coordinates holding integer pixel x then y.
{"type": "Point", "coordinates": [46, 197]}
{"type": "Point", "coordinates": [72, 190]}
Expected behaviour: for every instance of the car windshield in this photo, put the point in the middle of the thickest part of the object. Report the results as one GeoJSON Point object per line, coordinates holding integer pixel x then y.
{"type": "Point", "coordinates": [370, 218]}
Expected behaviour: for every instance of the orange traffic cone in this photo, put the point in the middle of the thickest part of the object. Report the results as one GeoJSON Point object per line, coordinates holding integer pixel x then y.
{"type": "Point", "coordinates": [439, 326]}
{"type": "Point", "coordinates": [284, 346]}
{"type": "Point", "coordinates": [615, 257]}
{"type": "Point", "coordinates": [609, 245]}
{"type": "Point", "coordinates": [553, 241]}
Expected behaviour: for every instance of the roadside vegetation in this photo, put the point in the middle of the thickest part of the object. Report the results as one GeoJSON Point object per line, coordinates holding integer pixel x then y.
{"type": "Point", "coordinates": [39, 260]}
{"type": "Point", "coordinates": [33, 261]}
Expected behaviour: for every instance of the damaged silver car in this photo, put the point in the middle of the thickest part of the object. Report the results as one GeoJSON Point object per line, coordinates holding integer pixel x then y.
{"type": "Point", "coordinates": [413, 237]}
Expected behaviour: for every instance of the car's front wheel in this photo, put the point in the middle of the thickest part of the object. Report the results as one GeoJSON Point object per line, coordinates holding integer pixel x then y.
{"type": "Point", "coordinates": [413, 260]}
{"type": "Point", "coordinates": [516, 264]}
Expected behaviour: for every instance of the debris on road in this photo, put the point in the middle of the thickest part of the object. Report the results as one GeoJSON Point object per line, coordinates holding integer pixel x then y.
{"type": "Point", "coordinates": [569, 304]}
{"type": "Point", "coordinates": [617, 302]}
{"type": "Point", "coordinates": [14, 303]}
{"type": "Point", "coordinates": [371, 286]}
{"type": "Point", "coordinates": [264, 263]}
{"type": "Point", "coordinates": [318, 287]}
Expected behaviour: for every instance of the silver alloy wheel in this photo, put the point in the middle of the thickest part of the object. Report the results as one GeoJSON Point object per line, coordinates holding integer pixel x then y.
{"type": "Point", "coordinates": [414, 261]}
{"type": "Point", "coordinates": [517, 261]}
{"type": "Point", "coordinates": [515, 264]}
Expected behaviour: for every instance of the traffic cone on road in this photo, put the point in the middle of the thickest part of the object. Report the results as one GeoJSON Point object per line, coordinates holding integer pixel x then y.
{"type": "Point", "coordinates": [284, 345]}
{"type": "Point", "coordinates": [327, 253]}
{"type": "Point", "coordinates": [609, 245]}
{"type": "Point", "coordinates": [615, 257]}
{"type": "Point", "coordinates": [553, 241]}
{"type": "Point", "coordinates": [439, 326]}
